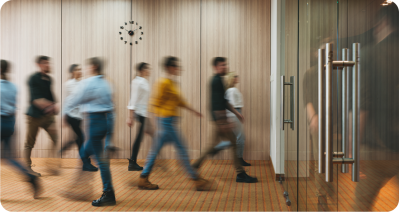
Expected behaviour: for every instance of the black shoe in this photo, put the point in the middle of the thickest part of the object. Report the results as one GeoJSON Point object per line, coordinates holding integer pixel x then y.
{"type": "Point", "coordinates": [30, 171]}
{"type": "Point", "coordinates": [133, 166]}
{"type": "Point", "coordinates": [36, 186]}
{"type": "Point", "coordinates": [244, 178]}
{"type": "Point", "coordinates": [88, 167]}
{"type": "Point", "coordinates": [243, 163]}
{"type": "Point", "coordinates": [108, 198]}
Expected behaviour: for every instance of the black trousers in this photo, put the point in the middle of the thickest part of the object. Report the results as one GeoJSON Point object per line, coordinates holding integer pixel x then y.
{"type": "Point", "coordinates": [139, 137]}
{"type": "Point", "coordinates": [75, 125]}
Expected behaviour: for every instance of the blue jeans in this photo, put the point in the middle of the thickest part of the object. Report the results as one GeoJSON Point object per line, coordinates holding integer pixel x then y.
{"type": "Point", "coordinates": [7, 130]}
{"type": "Point", "coordinates": [239, 133]}
{"type": "Point", "coordinates": [167, 133]}
{"type": "Point", "coordinates": [94, 146]}
{"type": "Point", "coordinates": [110, 128]}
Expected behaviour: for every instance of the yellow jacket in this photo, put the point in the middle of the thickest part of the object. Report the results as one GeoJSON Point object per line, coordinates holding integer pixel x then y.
{"type": "Point", "coordinates": [165, 98]}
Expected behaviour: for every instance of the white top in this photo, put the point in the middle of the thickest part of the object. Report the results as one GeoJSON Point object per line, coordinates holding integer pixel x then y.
{"type": "Point", "coordinates": [140, 94]}
{"type": "Point", "coordinates": [234, 97]}
{"type": "Point", "coordinates": [71, 89]}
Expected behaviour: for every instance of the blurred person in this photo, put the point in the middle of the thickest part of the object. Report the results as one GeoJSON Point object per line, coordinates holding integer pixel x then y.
{"type": "Point", "coordinates": [8, 97]}
{"type": "Point", "coordinates": [379, 102]}
{"type": "Point", "coordinates": [164, 103]}
{"type": "Point", "coordinates": [74, 117]}
{"type": "Point", "coordinates": [42, 109]}
{"type": "Point", "coordinates": [234, 97]}
{"type": "Point", "coordinates": [95, 96]}
{"type": "Point", "coordinates": [137, 107]}
{"type": "Point", "coordinates": [224, 129]}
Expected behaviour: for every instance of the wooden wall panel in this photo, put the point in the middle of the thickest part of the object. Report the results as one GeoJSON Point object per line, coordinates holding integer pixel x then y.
{"type": "Point", "coordinates": [233, 29]}
{"type": "Point", "coordinates": [195, 31]}
{"type": "Point", "coordinates": [32, 28]}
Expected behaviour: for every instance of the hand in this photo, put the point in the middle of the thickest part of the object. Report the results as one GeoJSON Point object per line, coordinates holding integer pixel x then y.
{"type": "Point", "coordinates": [56, 109]}
{"type": "Point", "coordinates": [240, 117]}
{"type": "Point", "coordinates": [198, 114]}
{"type": "Point", "coordinates": [129, 122]}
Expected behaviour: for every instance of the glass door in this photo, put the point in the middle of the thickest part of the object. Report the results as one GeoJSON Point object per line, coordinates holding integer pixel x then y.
{"type": "Point", "coordinates": [342, 152]}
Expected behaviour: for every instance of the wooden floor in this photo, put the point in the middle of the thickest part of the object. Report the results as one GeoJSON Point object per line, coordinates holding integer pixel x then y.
{"type": "Point", "coordinates": [74, 190]}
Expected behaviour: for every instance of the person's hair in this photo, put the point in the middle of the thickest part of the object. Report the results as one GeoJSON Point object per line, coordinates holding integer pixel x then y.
{"type": "Point", "coordinates": [229, 80]}
{"type": "Point", "coordinates": [170, 61]}
{"type": "Point", "coordinates": [40, 58]}
{"type": "Point", "coordinates": [4, 68]}
{"type": "Point", "coordinates": [141, 66]}
{"type": "Point", "coordinates": [98, 63]}
{"type": "Point", "coordinates": [72, 67]}
{"type": "Point", "coordinates": [218, 60]}
{"type": "Point", "coordinates": [391, 13]}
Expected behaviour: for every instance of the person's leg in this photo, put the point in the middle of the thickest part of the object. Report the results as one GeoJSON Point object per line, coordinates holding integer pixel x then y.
{"type": "Point", "coordinates": [97, 132]}
{"type": "Point", "coordinates": [158, 143]}
{"type": "Point", "coordinates": [33, 128]}
{"type": "Point", "coordinates": [75, 125]}
{"type": "Point", "coordinates": [133, 166]}
{"type": "Point", "coordinates": [110, 129]}
{"type": "Point", "coordinates": [212, 150]}
{"type": "Point", "coordinates": [178, 141]}
{"type": "Point", "coordinates": [242, 176]}
{"type": "Point", "coordinates": [48, 124]}
{"type": "Point", "coordinates": [159, 140]}
{"type": "Point", "coordinates": [7, 130]}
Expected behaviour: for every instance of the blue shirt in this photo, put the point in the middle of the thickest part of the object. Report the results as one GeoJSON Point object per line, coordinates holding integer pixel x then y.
{"type": "Point", "coordinates": [8, 98]}
{"type": "Point", "coordinates": [93, 94]}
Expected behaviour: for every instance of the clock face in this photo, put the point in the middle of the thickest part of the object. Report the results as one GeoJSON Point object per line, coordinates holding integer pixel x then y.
{"type": "Point", "coordinates": [131, 32]}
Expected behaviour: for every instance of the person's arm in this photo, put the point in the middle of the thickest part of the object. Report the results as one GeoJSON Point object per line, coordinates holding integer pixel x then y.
{"type": "Point", "coordinates": [81, 96]}
{"type": "Point", "coordinates": [132, 103]}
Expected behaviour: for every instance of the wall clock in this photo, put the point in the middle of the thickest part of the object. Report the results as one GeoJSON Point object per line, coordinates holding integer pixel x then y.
{"type": "Point", "coordinates": [128, 35]}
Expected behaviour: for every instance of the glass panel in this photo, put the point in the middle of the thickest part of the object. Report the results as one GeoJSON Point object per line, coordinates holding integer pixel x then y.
{"type": "Point", "coordinates": [374, 24]}
{"type": "Point", "coordinates": [317, 26]}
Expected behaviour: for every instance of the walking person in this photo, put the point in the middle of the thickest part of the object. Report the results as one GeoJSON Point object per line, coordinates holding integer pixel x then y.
{"type": "Point", "coordinates": [223, 129]}
{"type": "Point", "coordinates": [234, 97]}
{"type": "Point", "coordinates": [94, 94]}
{"type": "Point", "coordinates": [42, 109]}
{"type": "Point", "coordinates": [138, 110]}
{"type": "Point", "coordinates": [8, 97]}
{"type": "Point", "coordinates": [74, 117]}
{"type": "Point", "coordinates": [164, 103]}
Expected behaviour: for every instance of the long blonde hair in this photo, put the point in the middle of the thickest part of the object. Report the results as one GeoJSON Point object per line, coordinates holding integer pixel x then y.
{"type": "Point", "coordinates": [230, 80]}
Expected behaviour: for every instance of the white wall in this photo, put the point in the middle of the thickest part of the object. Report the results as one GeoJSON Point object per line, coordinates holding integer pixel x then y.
{"type": "Point", "coordinates": [275, 136]}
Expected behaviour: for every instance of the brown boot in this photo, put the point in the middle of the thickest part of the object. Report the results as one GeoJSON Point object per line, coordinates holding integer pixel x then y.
{"type": "Point", "coordinates": [202, 184]}
{"type": "Point", "coordinates": [145, 184]}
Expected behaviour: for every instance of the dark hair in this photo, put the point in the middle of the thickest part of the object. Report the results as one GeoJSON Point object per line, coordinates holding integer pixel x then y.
{"type": "Point", "coordinates": [391, 13]}
{"type": "Point", "coordinates": [4, 68]}
{"type": "Point", "coordinates": [218, 60]}
{"type": "Point", "coordinates": [170, 61]}
{"type": "Point", "coordinates": [40, 58]}
{"type": "Point", "coordinates": [141, 66]}
{"type": "Point", "coordinates": [97, 62]}
{"type": "Point", "coordinates": [72, 67]}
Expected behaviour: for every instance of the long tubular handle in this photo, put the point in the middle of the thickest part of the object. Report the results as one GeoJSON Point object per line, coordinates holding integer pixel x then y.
{"type": "Point", "coordinates": [355, 111]}
{"type": "Point", "coordinates": [292, 103]}
{"type": "Point", "coordinates": [320, 138]}
{"type": "Point", "coordinates": [345, 53]}
{"type": "Point", "coordinates": [329, 120]}
{"type": "Point", "coordinates": [282, 102]}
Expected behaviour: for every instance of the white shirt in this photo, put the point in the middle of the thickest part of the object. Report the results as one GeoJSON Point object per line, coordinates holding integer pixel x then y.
{"type": "Point", "coordinates": [234, 97]}
{"type": "Point", "coordinates": [140, 94]}
{"type": "Point", "coordinates": [72, 88]}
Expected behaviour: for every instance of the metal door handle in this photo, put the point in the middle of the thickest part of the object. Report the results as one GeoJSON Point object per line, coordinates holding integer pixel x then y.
{"type": "Point", "coordinates": [292, 102]}
{"type": "Point", "coordinates": [325, 132]}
